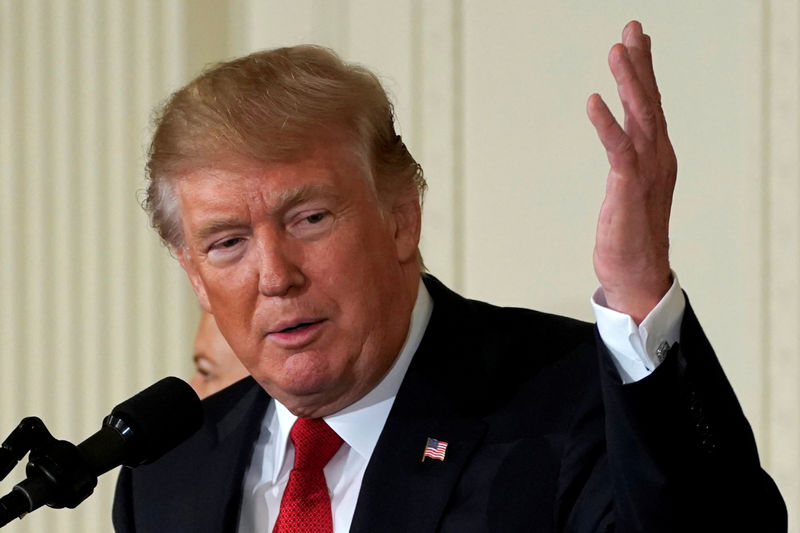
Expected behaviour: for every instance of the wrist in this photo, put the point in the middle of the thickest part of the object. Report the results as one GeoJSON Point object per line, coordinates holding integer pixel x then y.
{"type": "Point", "coordinates": [637, 300]}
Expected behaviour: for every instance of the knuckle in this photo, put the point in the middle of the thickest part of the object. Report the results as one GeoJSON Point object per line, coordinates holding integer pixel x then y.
{"type": "Point", "coordinates": [657, 98]}
{"type": "Point", "coordinates": [648, 116]}
{"type": "Point", "coordinates": [622, 143]}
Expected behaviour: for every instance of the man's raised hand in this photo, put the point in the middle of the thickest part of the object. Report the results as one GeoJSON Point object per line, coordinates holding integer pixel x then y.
{"type": "Point", "coordinates": [631, 256]}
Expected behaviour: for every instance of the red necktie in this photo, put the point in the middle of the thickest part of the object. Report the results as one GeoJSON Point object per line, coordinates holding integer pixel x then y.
{"type": "Point", "coordinates": [306, 506]}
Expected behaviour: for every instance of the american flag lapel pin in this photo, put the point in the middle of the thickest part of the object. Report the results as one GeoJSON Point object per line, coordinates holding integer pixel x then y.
{"type": "Point", "coordinates": [434, 449]}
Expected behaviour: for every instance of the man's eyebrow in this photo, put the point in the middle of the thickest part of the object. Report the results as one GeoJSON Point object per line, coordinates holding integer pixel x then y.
{"type": "Point", "coordinates": [215, 226]}
{"type": "Point", "coordinates": [286, 199]}
{"type": "Point", "coordinates": [280, 202]}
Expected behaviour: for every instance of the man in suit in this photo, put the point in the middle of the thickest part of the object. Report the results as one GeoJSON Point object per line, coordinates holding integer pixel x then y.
{"type": "Point", "coordinates": [294, 207]}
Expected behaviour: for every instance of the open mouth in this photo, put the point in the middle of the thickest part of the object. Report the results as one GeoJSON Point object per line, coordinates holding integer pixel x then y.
{"type": "Point", "coordinates": [298, 327]}
{"type": "Point", "coordinates": [298, 334]}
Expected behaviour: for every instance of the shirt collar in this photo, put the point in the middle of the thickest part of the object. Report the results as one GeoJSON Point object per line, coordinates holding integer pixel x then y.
{"type": "Point", "coordinates": [360, 424]}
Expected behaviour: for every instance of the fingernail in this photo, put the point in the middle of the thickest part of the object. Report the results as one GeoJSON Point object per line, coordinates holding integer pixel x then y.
{"type": "Point", "coordinates": [632, 30]}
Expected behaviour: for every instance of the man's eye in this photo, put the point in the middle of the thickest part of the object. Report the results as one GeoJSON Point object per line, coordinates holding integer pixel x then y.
{"type": "Point", "coordinates": [227, 243]}
{"type": "Point", "coordinates": [230, 242]}
{"type": "Point", "coordinates": [310, 224]}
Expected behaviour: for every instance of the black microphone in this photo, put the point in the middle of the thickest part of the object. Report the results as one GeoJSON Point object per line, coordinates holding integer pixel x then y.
{"type": "Point", "coordinates": [138, 431]}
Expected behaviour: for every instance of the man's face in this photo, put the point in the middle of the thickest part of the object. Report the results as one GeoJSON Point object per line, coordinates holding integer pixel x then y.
{"type": "Point", "coordinates": [309, 276]}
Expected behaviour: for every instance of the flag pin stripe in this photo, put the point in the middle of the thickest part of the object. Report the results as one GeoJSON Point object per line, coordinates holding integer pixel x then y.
{"type": "Point", "coordinates": [434, 449]}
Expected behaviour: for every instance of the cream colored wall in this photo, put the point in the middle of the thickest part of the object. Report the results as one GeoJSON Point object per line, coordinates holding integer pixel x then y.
{"type": "Point", "coordinates": [490, 97]}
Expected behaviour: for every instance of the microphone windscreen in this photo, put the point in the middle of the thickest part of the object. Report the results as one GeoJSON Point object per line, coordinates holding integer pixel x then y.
{"type": "Point", "coordinates": [160, 417]}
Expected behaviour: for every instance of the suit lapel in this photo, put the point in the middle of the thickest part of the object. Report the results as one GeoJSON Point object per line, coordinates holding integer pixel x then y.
{"type": "Point", "coordinates": [225, 442]}
{"type": "Point", "coordinates": [236, 431]}
{"type": "Point", "coordinates": [400, 492]}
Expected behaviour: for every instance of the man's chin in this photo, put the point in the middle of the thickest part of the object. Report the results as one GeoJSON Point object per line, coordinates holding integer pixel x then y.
{"type": "Point", "coordinates": [308, 396]}
{"type": "Point", "coordinates": [310, 405]}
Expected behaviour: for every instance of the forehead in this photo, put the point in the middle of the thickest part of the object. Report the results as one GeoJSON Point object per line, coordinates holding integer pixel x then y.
{"type": "Point", "coordinates": [325, 168]}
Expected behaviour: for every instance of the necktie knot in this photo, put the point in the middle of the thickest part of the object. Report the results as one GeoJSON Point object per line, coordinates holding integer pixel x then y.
{"type": "Point", "coordinates": [314, 443]}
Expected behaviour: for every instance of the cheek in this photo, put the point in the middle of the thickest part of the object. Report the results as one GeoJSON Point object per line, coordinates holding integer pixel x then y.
{"type": "Point", "coordinates": [231, 288]}
{"type": "Point", "coordinates": [233, 307]}
{"type": "Point", "coordinates": [249, 358]}
{"type": "Point", "coordinates": [367, 302]}
{"type": "Point", "coordinates": [361, 260]}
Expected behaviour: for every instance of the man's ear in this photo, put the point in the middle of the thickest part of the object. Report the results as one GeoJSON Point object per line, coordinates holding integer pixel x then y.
{"type": "Point", "coordinates": [187, 262]}
{"type": "Point", "coordinates": [407, 218]}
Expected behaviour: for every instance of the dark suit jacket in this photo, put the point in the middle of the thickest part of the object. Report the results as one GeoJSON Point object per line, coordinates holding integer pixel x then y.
{"type": "Point", "coordinates": [542, 437]}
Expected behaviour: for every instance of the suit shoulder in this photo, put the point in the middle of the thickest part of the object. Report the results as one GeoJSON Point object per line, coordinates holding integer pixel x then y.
{"type": "Point", "coordinates": [510, 323]}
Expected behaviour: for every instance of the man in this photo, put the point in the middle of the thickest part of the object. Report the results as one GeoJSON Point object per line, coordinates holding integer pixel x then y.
{"type": "Point", "coordinates": [294, 208]}
{"type": "Point", "coordinates": [216, 366]}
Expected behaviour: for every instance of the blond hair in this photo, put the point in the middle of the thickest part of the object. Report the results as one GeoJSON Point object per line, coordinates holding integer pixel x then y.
{"type": "Point", "coordinates": [271, 106]}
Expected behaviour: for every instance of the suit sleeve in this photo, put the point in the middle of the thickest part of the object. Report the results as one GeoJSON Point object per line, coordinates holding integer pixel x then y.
{"type": "Point", "coordinates": [681, 454]}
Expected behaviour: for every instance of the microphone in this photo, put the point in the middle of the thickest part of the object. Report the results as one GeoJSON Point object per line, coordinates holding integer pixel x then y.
{"type": "Point", "coordinates": [138, 431]}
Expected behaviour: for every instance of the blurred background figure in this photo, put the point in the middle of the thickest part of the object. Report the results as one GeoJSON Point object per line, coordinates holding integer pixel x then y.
{"type": "Point", "coordinates": [216, 366]}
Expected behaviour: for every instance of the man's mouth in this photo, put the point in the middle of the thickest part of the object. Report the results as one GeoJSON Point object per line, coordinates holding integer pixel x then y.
{"type": "Point", "coordinates": [298, 327]}
{"type": "Point", "coordinates": [296, 335]}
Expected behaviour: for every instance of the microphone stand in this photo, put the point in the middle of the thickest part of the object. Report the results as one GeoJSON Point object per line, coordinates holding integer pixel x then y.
{"type": "Point", "coordinates": [57, 473]}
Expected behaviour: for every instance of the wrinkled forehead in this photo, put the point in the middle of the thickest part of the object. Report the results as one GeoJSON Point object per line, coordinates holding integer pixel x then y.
{"type": "Point", "coordinates": [329, 154]}
{"type": "Point", "coordinates": [329, 169]}
{"type": "Point", "coordinates": [332, 151]}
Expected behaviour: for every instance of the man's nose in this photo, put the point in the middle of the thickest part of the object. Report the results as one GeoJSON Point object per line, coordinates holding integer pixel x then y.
{"type": "Point", "coordinates": [279, 271]}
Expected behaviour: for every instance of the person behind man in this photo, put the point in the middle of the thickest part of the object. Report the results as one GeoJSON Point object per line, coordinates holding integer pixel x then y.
{"type": "Point", "coordinates": [383, 401]}
{"type": "Point", "coordinates": [216, 366]}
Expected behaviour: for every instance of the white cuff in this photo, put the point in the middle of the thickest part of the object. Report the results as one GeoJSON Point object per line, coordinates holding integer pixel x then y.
{"type": "Point", "coordinates": [638, 351]}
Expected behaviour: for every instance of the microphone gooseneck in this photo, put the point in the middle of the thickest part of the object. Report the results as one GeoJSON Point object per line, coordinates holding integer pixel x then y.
{"type": "Point", "coordinates": [138, 431]}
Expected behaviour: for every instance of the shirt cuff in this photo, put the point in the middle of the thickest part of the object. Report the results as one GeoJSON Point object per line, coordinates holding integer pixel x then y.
{"type": "Point", "coordinates": [637, 351]}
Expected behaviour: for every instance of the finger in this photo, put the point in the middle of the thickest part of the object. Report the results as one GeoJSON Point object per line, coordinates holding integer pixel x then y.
{"type": "Point", "coordinates": [638, 48]}
{"type": "Point", "coordinates": [620, 151]}
{"type": "Point", "coordinates": [641, 115]}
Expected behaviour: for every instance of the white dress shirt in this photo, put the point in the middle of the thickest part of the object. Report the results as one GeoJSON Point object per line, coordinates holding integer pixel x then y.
{"type": "Point", "coordinates": [359, 425]}
{"type": "Point", "coordinates": [637, 351]}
